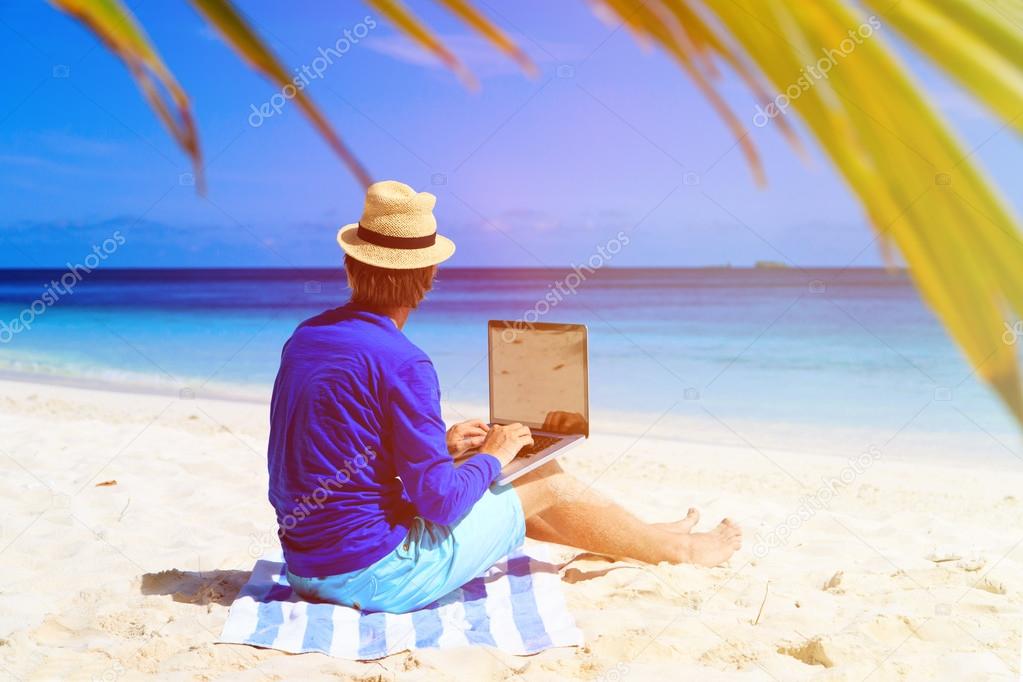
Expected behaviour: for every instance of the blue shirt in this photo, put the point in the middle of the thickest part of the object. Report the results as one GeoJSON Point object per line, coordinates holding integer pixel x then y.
{"type": "Point", "coordinates": [357, 444]}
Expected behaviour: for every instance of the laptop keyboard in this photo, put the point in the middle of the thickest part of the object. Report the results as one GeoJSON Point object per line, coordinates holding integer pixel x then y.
{"type": "Point", "coordinates": [539, 443]}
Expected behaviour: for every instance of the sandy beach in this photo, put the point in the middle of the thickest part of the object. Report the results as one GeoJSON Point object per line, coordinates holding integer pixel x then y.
{"type": "Point", "coordinates": [130, 521]}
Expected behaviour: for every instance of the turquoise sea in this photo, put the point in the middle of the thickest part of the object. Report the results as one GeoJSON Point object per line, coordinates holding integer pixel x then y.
{"type": "Point", "coordinates": [818, 347]}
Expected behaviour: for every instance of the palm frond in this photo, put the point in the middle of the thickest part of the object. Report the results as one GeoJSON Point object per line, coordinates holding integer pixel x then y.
{"type": "Point", "coordinates": [488, 30]}
{"type": "Point", "coordinates": [655, 21]}
{"type": "Point", "coordinates": [990, 68]}
{"type": "Point", "coordinates": [240, 36]}
{"type": "Point", "coordinates": [408, 23]}
{"type": "Point", "coordinates": [915, 180]}
{"type": "Point", "coordinates": [712, 44]}
{"type": "Point", "coordinates": [115, 25]}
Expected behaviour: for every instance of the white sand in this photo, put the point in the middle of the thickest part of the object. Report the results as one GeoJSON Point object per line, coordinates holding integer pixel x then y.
{"type": "Point", "coordinates": [127, 580]}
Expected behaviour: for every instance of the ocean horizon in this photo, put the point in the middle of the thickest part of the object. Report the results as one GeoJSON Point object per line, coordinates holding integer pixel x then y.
{"type": "Point", "coordinates": [824, 347]}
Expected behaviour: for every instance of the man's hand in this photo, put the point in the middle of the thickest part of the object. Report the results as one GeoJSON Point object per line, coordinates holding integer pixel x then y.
{"type": "Point", "coordinates": [558, 421]}
{"type": "Point", "coordinates": [466, 436]}
{"type": "Point", "coordinates": [504, 442]}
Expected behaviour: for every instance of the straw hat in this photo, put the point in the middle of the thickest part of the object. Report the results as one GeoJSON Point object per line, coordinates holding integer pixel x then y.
{"type": "Point", "coordinates": [397, 229]}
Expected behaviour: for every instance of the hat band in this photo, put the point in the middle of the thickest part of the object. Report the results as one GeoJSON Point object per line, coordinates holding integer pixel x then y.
{"type": "Point", "coordinates": [378, 239]}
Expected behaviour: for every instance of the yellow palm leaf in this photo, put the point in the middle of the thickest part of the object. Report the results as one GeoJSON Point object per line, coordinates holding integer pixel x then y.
{"type": "Point", "coordinates": [484, 27]}
{"type": "Point", "coordinates": [892, 148]}
{"type": "Point", "coordinates": [712, 44]}
{"type": "Point", "coordinates": [239, 35]}
{"type": "Point", "coordinates": [115, 25]}
{"type": "Point", "coordinates": [404, 19]}
{"type": "Point", "coordinates": [651, 19]}
{"type": "Point", "coordinates": [989, 68]}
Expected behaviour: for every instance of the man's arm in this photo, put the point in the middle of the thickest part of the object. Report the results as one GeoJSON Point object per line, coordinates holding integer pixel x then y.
{"type": "Point", "coordinates": [440, 491]}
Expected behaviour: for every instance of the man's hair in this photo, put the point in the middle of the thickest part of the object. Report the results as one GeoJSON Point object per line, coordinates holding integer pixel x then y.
{"type": "Point", "coordinates": [384, 288]}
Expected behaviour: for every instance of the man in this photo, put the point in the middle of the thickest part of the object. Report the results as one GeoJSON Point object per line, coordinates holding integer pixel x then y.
{"type": "Point", "coordinates": [373, 510]}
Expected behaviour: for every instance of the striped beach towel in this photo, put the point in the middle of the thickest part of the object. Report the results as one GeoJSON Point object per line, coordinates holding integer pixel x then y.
{"type": "Point", "coordinates": [517, 606]}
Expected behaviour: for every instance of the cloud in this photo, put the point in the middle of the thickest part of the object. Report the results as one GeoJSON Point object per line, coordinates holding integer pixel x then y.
{"type": "Point", "coordinates": [208, 33]}
{"type": "Point", "coordinates": [23, 162]}
{"type": "Point", "coordinates": [529, 219]}
{"type": "Point", "coordinates": [57, 151]}
{"type": "Point", "coordinates": [480, 56]}
{"type": "Point", "coordinates": [63, 142]}
{"type": "Point", "coordinates": [154, 243]}
{"type": "Point", "coordinates": [534, 222]}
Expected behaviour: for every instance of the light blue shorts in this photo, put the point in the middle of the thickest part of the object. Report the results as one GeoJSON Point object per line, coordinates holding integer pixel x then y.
{"type": "Point", "coordinates": [432, 561]}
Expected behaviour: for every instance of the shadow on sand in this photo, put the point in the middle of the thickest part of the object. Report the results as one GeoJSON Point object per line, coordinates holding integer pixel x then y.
{"type": "Point", "coordinates": [193, 587]}
{"type": "Point", "coordinates": [577, 575]}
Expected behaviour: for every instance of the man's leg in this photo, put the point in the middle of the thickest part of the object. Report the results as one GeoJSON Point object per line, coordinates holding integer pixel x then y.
{"type": "Point", "coordinates": [560, 508]}
{"type": "Point", "coordinates": [539, 529]}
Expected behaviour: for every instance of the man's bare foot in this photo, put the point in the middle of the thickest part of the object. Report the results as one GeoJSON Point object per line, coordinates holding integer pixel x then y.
{"type": "Point", "coordinates": [683, 525]}
{"type": "Point", "coordinates": [712, 548]}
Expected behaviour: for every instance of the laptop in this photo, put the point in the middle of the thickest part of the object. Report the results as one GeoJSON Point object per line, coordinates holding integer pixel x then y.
{"type": "Point", "coordinates": [539, 377]}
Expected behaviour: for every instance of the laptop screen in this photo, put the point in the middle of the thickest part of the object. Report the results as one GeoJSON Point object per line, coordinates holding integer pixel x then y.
{"type": "Point", "coordinates": [538, 376]}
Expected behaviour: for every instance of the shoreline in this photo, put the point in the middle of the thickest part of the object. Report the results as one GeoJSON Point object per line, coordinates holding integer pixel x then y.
{"type": "Point", "coordinates": [230, 393]}
{"type": "Point", "coordinates": [695, 427]}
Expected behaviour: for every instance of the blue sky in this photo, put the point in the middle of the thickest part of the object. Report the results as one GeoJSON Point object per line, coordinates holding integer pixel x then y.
{"type": "Point", "coordinates": [527, 171]}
